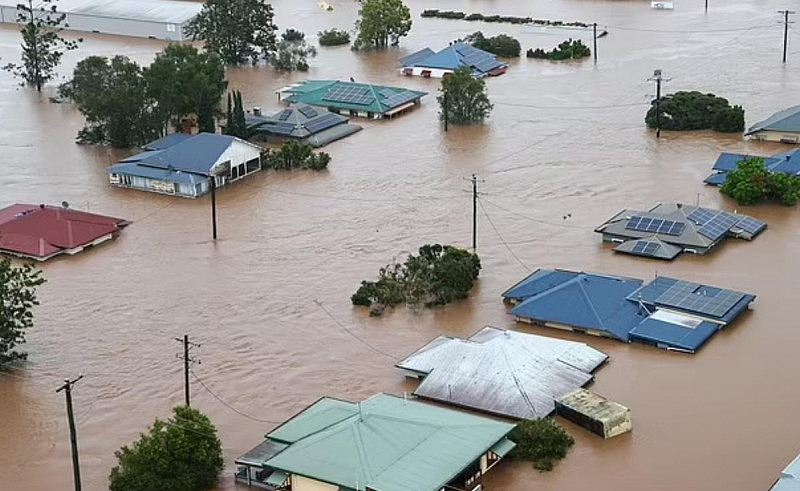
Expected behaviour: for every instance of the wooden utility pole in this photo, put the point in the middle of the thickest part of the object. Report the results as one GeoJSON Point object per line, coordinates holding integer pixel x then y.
{"type": "Point", "coordinates": [445, 110]}
{"type": "Point", "coordinates": [474, 214]}
{"type": "Point", "coordinates": [213, 208]}
{"type": "Point", "coordinates": [594, 28]}
{"type": "Point", "coordinates": [73, 437]}
{"type": "Point", "coordinates": [657, 78]}
{"type": "Point", "coordinates": [786, 14]}
{"type": "Point", "coordinates": [186, 359]}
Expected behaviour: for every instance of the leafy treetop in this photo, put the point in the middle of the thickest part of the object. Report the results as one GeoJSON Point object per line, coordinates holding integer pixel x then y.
{"type": "Point", "coordinates": [752, 182]}
{"type": "Point", "coordinates": [463, 98]}
{"type": "Point", "coordinates": [17, 298]}
{"type": "Point", "coordinates": [541, 441]}
{"type": "Point", "coordinates": [381, 23]}
{"type": "Point", "coordinates": [695, 111]}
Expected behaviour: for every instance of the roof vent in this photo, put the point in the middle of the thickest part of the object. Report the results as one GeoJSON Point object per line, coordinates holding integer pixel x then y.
{"type": "Point", "coordinates": [256, 111]}
{"type": "Point", "coordinates": [680, 205]}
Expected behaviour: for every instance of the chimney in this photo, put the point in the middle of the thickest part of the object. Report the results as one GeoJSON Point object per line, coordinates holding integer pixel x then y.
{"type": "Point", "coordinates": [256, 111]}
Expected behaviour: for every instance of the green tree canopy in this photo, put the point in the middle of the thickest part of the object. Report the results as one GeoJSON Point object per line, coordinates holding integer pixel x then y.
{"type": "Point", "coordinates": [752, 183]}
{"type": "Point", "coordinates": [333, 37]}
{"type": "Point", "coordinates": [42, 46]}
{"type": "Point", "coordinates": [381, 23]}
{"type": "Point", "coordinates": [463, 98]}
{"type": "Point", "coordinates": [567, 50]}
{"type": "Point", "coordinates": [181, 77]}
{"type": "Point", "coordinates": [112, 96]}
{"type": "Point", "coordinates": [17, 299]}
{"type": "Point", "coordinates": [293, 52]}
{"type": "Point", "coordinates": [695, 111]}
{"type": "Point", "coordinates": [180, 454]}
{"type": "Point", "coordinates": [541, 441]}
{"type": "Point", "coordinates": [296, 155]}
{"type": "Point", "coordinates": [500, 45]}
{"type": "Point", "coordinates": [238, 30]}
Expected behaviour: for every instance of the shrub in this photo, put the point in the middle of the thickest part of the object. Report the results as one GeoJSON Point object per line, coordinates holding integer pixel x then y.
{"type": "Point", "coordinates": [695, 111]}
{"type": "Point", "coordinates": [464, 99]}
{"type": "Point", "coordinates": [500, 45]}
{"type": "Point", "coordinates": [438, 275]}
{"type": "Point", "coordinates": [567, 50]}
{"type": "Point", "coordinates": [296, 155]}
{"type": "Point", "coordinates": [541, 441]}
{"type": "Point", "coordinates": [752, 182]}
{"type": "Point", "coordinates": [293, 35]}
{"type": "Point", "coordinates": [333, 37]}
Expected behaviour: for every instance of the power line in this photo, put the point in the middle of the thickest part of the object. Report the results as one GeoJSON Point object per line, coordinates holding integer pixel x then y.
{"type": "Point", "coordinates": [608, 106]}
{"type": "Point", "coordinates": [537, 220]}
{"type": "Point", "coordinates": [222, 401]}
{"type": "Point", "coordinates": [483, 208]}
{"type": "Point", "coordinates": [690, 31]}
{"type": "Point", "coordinates": [354, 335]}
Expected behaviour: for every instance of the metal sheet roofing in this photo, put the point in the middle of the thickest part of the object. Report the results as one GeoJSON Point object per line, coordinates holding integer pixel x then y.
{"type": "Point", "coordinates": [386, 443]}
{"type": "Point", "coordinates": [454, 56]}
{"type": "Point", "coordinates": [790, 477]}
{"type": "Point", "coordinates": [165, 11]}
{"type": "Point", "coordinates": [376, 99]}
{"type": "Point", "coordinates": [503, 372]}
{"type": "Point", "coordinates": [649, 247]}
{"type": "Point", "coordinates": [134, 169]}
{"type": "Point", "coordinates": [787, 120]}
{"type": "Point", "coordinates": [296, 121]}
{"type": "Point", "coordinates": [784, 162]}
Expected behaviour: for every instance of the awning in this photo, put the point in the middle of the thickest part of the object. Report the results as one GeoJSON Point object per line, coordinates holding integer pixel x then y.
{"type": "Point", "coordinates": [277, 478]}
{"type": "Point", "coordinates": [502, 447]}
{"type": "Point", "coordinates": [399, 108]}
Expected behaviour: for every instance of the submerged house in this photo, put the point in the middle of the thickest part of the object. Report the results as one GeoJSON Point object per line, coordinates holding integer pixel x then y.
{"type": "Point", "coordinates": [668, 229]}
{"type": "Point", "coordinates": [384, 443]}
{"type": "Point", "coordinates": [427, 63]}
{"type": "Point", "coordinates": [300, 122]}
{"type": "Point", "coordinates": [156, 19]}
{"type": "Point", "coordinates": [783, 126]}
{"type": "Point", "coordinates": [781, 163]}
{"type": "Point", "coordinates": [351, 98]}
{"type": "Point", "coordinates": [183, 165]}
{"type": "Point", "coordinates": [790, 477]}
{"type": "Point", "coordinates": [668, 313]}
{"type": "Point", "coordinates": [41, 232]}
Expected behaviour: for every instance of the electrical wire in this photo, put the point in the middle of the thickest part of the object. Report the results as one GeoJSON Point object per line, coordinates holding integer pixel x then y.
{"type": "Point", "coordinates": [354, 335]}
{"type": "Point", "coordinates": [480, 202]}
{"type": "Point", "coordinates": [222, 401]}
{"type": "Point", "coordinates": [689, 31]}
{"type": "Point", "coordinates": [537, 220]}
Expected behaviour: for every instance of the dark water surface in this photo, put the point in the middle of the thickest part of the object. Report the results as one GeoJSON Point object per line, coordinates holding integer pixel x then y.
{"type": "Point", "coordinates": [563, 138]}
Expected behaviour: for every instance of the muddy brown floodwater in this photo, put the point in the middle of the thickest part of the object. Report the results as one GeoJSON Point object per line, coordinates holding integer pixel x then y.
{"type": "Point", "coordinates": [563, 138]}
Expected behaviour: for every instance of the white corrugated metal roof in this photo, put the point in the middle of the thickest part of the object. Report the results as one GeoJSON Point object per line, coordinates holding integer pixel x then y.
{"type": "Point", "coordinates": [167, 11]}
{"type": "Point", "coordinates": [503, 372]}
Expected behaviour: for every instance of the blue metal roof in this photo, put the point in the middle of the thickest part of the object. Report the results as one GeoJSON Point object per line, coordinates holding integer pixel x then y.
{"type": "Point", "coordinates": [790, 477]}
{"type": "Point", "coordinates": [673, 335]}
{"type": "Point", "coordinates": [415, 58]}
{"type": "Point", "coordinates": [539, 281]}
{"type": "Point", "coordinates": [730, 161]}
{"type": "Point", "coordinates": [196, 154]}
{"type": "Point", "coordinates": [716, 179]}
{"type": "Point", "coordinates": [454, 56]}
{"type": "Point", "coordinates": [170, 175]}
{"type": "Point", "coordinates": [786, 120]}
{"type": "Point", "coordinates": [167, 141]}
{"type": "Point", "coordinates": [784, 162]}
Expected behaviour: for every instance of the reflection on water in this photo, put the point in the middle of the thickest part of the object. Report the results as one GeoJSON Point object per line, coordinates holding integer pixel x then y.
{"type": "Point", "coordinates": [562, 139]}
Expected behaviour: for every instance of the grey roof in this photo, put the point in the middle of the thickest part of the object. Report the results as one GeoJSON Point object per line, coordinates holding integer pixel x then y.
{"type": "Point", "coordinates": [655, 248]}
{"type": "Point", "coordinates": [196, 154]}
{"type": "Point", "coordinates": [295, 122]}
{"type": "Point", "coordinates": [691, 236]}
{"type": "Point", "coordinates": [332, 134]}
{"type": "Point", "coordinates": [790, 477]}
{"type": "Point", "coordinates": [166, 11]}
{"type": "Point", "coordinates": [787, 120]}
{"type": "Point", "coordinates": [261, 453]}
{"type": "Point", "coordinates": [503, 372]}
{"type": "Point", "coordinates": [170, 175]}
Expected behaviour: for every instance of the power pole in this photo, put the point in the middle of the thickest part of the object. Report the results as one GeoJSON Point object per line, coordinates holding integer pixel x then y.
{"type": "Point", "coordinates": [213, 209]}
{"type": "Point", "coordinates": [594, 27]}
{"type": "Point", "coordinates": [444, 113]}
{"type": "Point", "coordinates": [474, 180]}
{"type": "Point", "coordinates": [73, 437]}
{"type": "Point", "coordinates": [786, 14]}
{"type": "Point", "coordinates": [186, 360]}
{"type": "Point", "coordinates": [706, 5]}
{"type": "Point", "coordinates": [657, 78]}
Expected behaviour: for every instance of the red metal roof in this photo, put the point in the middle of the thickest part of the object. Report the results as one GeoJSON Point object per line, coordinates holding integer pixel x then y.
{"type": "Point", "coordinates": [40, 231]}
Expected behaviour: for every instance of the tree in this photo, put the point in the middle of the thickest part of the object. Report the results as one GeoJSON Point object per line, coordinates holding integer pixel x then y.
{"type": "Point", "coordinates": [205, 114]}
{"type": "Point", "coordinates": [752, 182]}
{"type": "Point", "coordinates": [238, 116]}
{"type": "Point", "coordinates": [541, 441]}
{"type": "Point", "coordinates": [42, 46]}
{"type": "Point", "coordinates": [296, 155]}
{"type": "Point", "coordinates": [333, 37]}
{"type": "Point", "coordinates": [112, 96]}
{"type": "Point", "coordinates": [695, 111]}
{"type": "Point", "coordinates": [180, 454]}
{"type": "Point", "coordinates": [464, 99]}
{"type": "Point", "coordinates": [180, 78]}
{"type": "Point", "coordinates": [293, 52]}
{"type": "Point", "coordinates": [567, 50]}
{"type": "Point", "coordinates": [17, 299]}
{"type": "Point", "coordinates": [438, 275]}
{"type": "Point", "coordinates": [500, 45]}
{"type": "Point", "coordinates": [238, 30]}
{"type": "Point", "coordinates": [229, 123]}
{"type": "Point", "coordinates": [381, 23]}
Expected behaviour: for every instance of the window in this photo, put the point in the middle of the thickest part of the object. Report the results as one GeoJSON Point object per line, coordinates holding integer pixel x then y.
{"type": "Point", "coordinates": [241, 170]}
{"type": "Point", "coordinates": [426, 73]}
{"type": "Point", "coordinates": [170, 27]}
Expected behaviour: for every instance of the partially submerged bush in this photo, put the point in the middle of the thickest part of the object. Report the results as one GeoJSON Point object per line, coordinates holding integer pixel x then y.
{"type": "Point", "coordinates": [695, 111]}
{"type": "Point", "coordinates": [752, 182]}
{"type": "Point", "coordinates": [333, 37]}
{"type": "Point", "coordinates": [567, 50]}
{"type": "Point", "coordinates": [500, 45]}
{"type": "Point", "coordinates": [541, 441]}
{"type": "Point", "coordinates": [296, 155]}
{"type": "Point", "coordinates": [508, 19]}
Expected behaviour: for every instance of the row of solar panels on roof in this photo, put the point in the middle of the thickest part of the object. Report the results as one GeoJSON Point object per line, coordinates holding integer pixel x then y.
{"type": "Point", "coordinates": [693, 297]}
{"type": "Point", "coordinates": [313, 126]}
{"type": "Point", "coordinates": [362, 96]}
{"type": "Point", "coordinates": [715, 224]}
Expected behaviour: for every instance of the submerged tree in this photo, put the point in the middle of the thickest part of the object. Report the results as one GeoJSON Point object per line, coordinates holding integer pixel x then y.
{"type": "Point", "coordinates": [541, 441]}
{"type": "Point", "coordinates": [17, 299]}
{"type": "Point", "coordinates": [238, 30]}
{"type": "Point", "coordinates": [752, 182]}
{"type": "Point", "coordinates": [182, 453]}
{"type": "Point", "coordinates": [42, 45]}
{"type": "Point", "coordinates": [296, 155]}
{"type": "Point", "coordinates": [293, 52]}
{"type": "Point", "coordinates": [464, 99]}
{"type": "Point", "coordinates": [381, 23]}
{"type": "Point", "coordinates": [333, 37]}
{"type": "Point", "coordinates": [692, 110]}
{"type": "Point", "coordinates": [235, 125]}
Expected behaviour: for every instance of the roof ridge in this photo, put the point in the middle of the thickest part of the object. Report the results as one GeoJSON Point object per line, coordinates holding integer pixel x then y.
{"type": "Point", "coordinates": [588, 299]}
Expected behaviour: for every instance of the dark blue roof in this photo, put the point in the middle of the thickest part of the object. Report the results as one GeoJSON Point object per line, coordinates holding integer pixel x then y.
{"type": "Point", "coordinates": [784, 162]}
{"type": "Point", "coordinates": [196, 154]}
{"type": "Point", "coordinates": [134, 169]}
{"type": "Point", "coordinates": [730, 161]}
{"type": "Point", "coordinates": [786, 120]}
{"type": "Point", "coordinates": [167, 141]}
{"type": "Point", "coordinates": [415, 58]}
{"type": "Point", "coordinates": [539, 281]}
{"type": "Point", "coordinates": [673, 335]}
{"type": "Point", "coordinates": [454, 56]}
{"type": "Point", "coordinates": [716, 179]}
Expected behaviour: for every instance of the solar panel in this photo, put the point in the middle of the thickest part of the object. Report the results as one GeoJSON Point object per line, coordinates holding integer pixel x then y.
{"type": "Point", "coordinates": [645, 248]}
{"type": "Point", "coordinates": [284, 115]}
{"type": "Point", "coordinates": [697, 298]}
{"type": "Point", "coordinates": [322, 123]}
{"type": "Point", "coordinates": [349, 95]}
{"type": "Point", "coordinates": [751, 225]}
{"type": "Point", "coordinates": [487, 65]}
{"type": "Point", "coordinates": [701, 216]}
{"type": "Point", "coordinates": [308, 111]}
{"type": "Point", "coordinates": [655, 225]}
{"type": "Point", "coordinates": [401, 98]}
{"type": "Point", "coordinates": [387, 92]}
{"type": "Point", "coordinates": [718, 226]}
{"type": "Point", "coordinates": [279, 128]}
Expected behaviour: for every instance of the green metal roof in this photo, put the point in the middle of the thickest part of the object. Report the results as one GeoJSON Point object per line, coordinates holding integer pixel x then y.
{"type": "Point", "coordinates": [313, 92]}
{"type": "Point", "coordinates": [504, 446]}
{"type": "Point", "coordinates": [386, 443]}
{"type": "Point", "coordinates": [277, 478]}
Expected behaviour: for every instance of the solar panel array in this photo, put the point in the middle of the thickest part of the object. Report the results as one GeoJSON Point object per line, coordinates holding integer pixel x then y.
{"type": "Point", "coordinates": [387, 92]}
{"type": "Point", "coordinates": [645, 248]}
{"type": "Point", "coordinates": [322, 123]}
{"type": "Point", "coordinates": [284, 115]}
{"type": "Point", "coordinates": [701, 216]}
{"type": "Point", "coordinates": [655, 225]}
{"type": "Point", "coordinates": [308, 111]}
{"type": "Point", "coordinates": [751, 225]}
{"type": "Point", "coordinates": [691, 297]}
{"type": "Point", "coordinates": [717, 227]}
{"type": "Point", "coordinates": [401, 98]}
{"type": "Point", "coordinates": [279, 128]}
{"type": "Point", "coordinates": [349, 95]}
{"type": "Point", "coordinates": [481, 60]}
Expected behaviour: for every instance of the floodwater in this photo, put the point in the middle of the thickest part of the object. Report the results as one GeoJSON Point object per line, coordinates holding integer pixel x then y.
{"type": "Point", "coordinates": [562, 139]}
